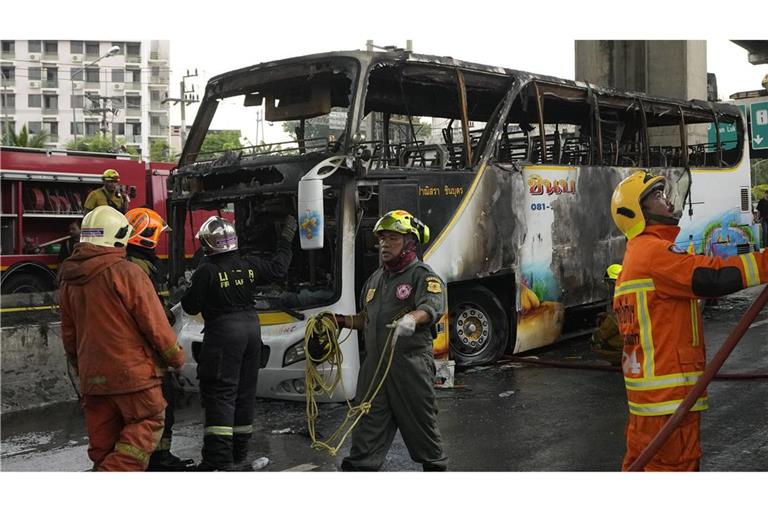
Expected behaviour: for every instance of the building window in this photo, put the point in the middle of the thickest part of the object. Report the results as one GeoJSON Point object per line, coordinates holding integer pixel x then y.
{"type": "Point", "coordinates": [92, 75]}
{"type": "Point", "coordinates": [34, 46]}
{"type": "Point", "coordinates": [80, 128]}
{"type": "Point", "coordinates": [34, 101]}
{"type": "Point", "coordinates": [76, 47]}
{"type": "Point", "coordinates": [52, 127]}
{"type": "Point", "coordinates": [133, 49]}
{"type": "Point", "coordinates": [133, 102]}
{"type": "Point", "coordinates": [118, 75]}
{"type": "Point", "coordinates": [9, 46]}
{"type": "Point", "coordinates": [75, 74]}
{"type": "Point", "coordinates": [51, 77]}
{"type": "Point", "coordinates": [50, 102]}
{"type": "Point", "coordinates": [133, 128]}
{"type": "Point", "coordinates": [51, 47]}
{"type": "Point", "coordinates": [77, 101]}
{"type": "Point", "coordinates": [8, 74]}
{"type": "Point", "coordinates": [34, 127]}
{"type": "Point", "coordinates": [11, 126]}
{"type": "Point", "coordinates": [134, 75]}
{"type": "Point", "coordinates": [92, 48]}
{"type": "Point", "coordinates": [91, 128]}
{"type": "Point", "coordinates": [118, 128]}
{"type": "Point", "coordinates": [35, 73]}
{"type": "Point", "coordinates": [8, 99]}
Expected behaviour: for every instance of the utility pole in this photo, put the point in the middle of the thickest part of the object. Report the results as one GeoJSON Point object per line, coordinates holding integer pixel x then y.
{"type": "Point", "coordinates": [109, 104]}
{"type": "Point", "coordinates": [185, 98]}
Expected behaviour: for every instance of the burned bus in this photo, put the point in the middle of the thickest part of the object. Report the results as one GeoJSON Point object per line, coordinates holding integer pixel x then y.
{"type": "Point", "coordinates": [513, 173]}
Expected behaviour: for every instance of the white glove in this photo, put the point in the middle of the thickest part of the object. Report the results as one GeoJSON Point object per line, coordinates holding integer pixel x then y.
{"type": "Point", "coordinates": [406, 326]}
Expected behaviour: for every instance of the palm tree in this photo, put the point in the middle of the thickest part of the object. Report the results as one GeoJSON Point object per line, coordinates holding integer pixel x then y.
{"type": "Point", "coordinates": [23, 140]}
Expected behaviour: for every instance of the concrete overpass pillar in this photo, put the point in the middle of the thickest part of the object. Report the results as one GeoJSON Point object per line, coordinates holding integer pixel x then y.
{"type": "Point", "coordinates": [675, 69]}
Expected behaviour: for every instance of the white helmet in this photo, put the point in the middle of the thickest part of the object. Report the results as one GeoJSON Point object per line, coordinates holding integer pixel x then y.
{"type": "Point", "coordinates": [106, 227]}
{"type": "Point", "coordinates": [217, 236]}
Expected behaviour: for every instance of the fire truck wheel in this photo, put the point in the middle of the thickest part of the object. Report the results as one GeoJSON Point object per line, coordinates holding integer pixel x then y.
{"type": "Point", "coordinates": [478, 326]}
{"type": "Point", "coordinates": [24, 282]}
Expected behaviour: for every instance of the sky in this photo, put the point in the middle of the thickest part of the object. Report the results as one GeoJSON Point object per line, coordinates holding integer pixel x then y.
{"type": "Point", "coordinates": [537, 36]}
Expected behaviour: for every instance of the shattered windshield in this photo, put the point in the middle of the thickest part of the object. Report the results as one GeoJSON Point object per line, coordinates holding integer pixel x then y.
{"type": "Point", "coordinates": [295, 109]}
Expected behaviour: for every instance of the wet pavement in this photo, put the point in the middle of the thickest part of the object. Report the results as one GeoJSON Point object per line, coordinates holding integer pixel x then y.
{"type": "Point", "coordinates": [505, 417]}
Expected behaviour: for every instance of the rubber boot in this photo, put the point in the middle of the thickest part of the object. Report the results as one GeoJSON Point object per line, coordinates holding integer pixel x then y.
{"type": "Point", "coordinates": [164, 460]}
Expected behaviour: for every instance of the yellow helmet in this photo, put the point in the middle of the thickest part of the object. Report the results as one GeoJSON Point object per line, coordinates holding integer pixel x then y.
{"type": "Point", "coordinates": [400, 221]}
{"type": "Point", "coordinates": [625, 202]}
{"type": "Point", "coordinates": [110, 175]}
{"type": "Point", "coordinates": [106, 227]}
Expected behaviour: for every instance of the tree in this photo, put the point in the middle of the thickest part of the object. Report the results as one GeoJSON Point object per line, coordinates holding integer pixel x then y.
{"type": "Point", "coordinates": [160, 151]}
{"type": "Point", "coordinates": [23, 140]}
{"type": "Point", "coordinates": [98, 143]}
{"type": "Point", "coordinates": [221, 140]}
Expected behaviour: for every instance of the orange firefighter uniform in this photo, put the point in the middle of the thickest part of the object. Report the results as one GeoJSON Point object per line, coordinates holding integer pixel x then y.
{"type": "Point", "coordinates": [659, 317]}
{"type": "Point", "coordinates": [116, 334]}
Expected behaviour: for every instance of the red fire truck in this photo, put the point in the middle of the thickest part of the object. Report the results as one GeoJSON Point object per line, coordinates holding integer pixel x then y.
{"type": "Point", "coordinates": [43, 191]}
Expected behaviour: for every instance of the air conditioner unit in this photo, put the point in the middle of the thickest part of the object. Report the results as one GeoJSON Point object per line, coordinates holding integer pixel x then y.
{"type": "Point", "coordinates": [34, 84]}
{"type": "Point", "coordinates": [34, 56]}
{"type": "Point", "coordinates": [119, 87]}
{"type": "Point", "coordinates": [77, 58]}
{"type": "Point", "coordinates": [77, 85]}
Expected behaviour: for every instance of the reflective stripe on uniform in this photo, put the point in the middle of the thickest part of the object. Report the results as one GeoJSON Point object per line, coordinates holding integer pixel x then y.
{"type": "Point", "coordinates": [750, 269]}
{"type": "Point", "coordinates": [164, 444]}
{"type": "Point", "coordinates": [243, 429]}
{"type": "Point", "coordinates": [169, 353]}
{"type": "Point", "coordinates": [638, 285]}
{"type": "Point", "coordinates": [646, 335]}
{"type": "Point", "coordinates": [662, 408]}
{"type": "Point", "coordinates": [219, 430]}
{"type": "Point", "coordinates": [695, 323]}
{"type": "Point", "coordinates": [132, 451]}
{"type": "Point", "coordinates": [661, 382]}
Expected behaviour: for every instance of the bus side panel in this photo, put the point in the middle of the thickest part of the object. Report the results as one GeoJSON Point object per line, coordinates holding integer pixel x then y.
{"type": "Point", "coordinates": [571, 240]}
{"type": "Point", "coordinates": [721, 223]}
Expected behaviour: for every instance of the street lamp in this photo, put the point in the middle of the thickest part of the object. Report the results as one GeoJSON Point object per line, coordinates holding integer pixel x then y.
{"type": "Point", "coordinates": [112, 51]}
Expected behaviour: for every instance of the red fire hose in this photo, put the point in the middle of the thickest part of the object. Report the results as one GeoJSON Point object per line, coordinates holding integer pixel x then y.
{"type": "Point", "coordinates": [674, 421]}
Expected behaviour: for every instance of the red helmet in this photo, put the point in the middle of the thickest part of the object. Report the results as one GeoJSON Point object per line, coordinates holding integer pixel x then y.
{"type": "Point", "coordinates": [147, 225]}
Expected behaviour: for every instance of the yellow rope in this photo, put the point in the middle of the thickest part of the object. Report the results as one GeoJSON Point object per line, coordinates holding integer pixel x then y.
{"type": "Point", "coordinates": [324, 329]}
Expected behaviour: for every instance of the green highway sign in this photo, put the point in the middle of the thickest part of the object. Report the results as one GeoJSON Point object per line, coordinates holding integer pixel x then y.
{"type": "Point", "coordinates": [758, 113]}
{"type": "Point", "coordinates": [728, 136]}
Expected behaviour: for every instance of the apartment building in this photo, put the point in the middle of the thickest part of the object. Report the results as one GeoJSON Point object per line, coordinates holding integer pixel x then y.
{"type": "Point", "coordinates": [74, 88]}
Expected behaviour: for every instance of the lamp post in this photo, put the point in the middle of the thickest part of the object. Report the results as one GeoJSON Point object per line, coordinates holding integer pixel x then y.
{"type": "Point", "coordinates": [112, 51]}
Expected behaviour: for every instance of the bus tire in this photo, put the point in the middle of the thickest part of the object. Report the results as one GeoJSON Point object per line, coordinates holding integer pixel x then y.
{"type": "Point", "coordinates": [26, 282]}
{"type": "Point", "coordinates": [478, 326]}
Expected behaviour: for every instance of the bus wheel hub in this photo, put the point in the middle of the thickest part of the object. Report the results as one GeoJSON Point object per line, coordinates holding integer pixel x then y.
{"type": "Point", "coordinates": [472, 327]}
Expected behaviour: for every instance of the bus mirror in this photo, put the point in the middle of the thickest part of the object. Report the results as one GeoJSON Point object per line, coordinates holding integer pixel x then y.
{"type": "Point", "coordinates": [311, 214]}
{"type": "Point", "coordinates": [678, 193]}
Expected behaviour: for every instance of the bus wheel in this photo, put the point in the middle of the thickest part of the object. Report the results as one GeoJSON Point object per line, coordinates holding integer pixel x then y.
{"type": "Point", "coordinates": [26, 282]}
{"type": "Point", "coordinates": [478, 326]}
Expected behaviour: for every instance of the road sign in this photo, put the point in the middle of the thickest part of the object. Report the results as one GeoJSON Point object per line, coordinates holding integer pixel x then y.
{"type": "Point", "coordinates": [728, 135]}
{"type": "Point", "coordinates": [759, 115]}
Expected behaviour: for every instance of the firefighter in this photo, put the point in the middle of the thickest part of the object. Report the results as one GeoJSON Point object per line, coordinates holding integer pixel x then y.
{"type": "Point", "coordinates": [659, 317]}
{"type": "Point", "coordinates": [406, 292]}
{"type": "Point", "coordinates": [147, 226]}
{"type": "Point", "coordinates": [68, 245]}
{"type": "Point", "coordinates": [222, 289]}
{"type": "Point", "coordinates": [117, 338]}
{"type": "Point", "coordinates": [108, 195]}
{"type": "Point", "coordinates": [607, 341]}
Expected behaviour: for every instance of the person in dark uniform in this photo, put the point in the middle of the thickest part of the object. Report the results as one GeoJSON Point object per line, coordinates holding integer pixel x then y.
{"type": "Point", "coordinates": [68, 245]}
{"type": "Point", "coordinates": [147, 226]}
{"type": "Point", "coordinates": [406, 292]}
{"type": "Point", "coordinates": [222, 289]}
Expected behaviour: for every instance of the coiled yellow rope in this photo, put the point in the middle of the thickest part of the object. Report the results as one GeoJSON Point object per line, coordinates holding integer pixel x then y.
{"type": "Point", "coordinates": [324, 329]}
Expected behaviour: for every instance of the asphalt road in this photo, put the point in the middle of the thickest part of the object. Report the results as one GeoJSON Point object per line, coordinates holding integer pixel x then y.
{"type": "Point", "coordinates": [505, 417]}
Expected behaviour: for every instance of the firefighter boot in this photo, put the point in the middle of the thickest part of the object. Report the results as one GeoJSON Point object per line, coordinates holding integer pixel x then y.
{"type": "Point", "coordinates": [164, 460]}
